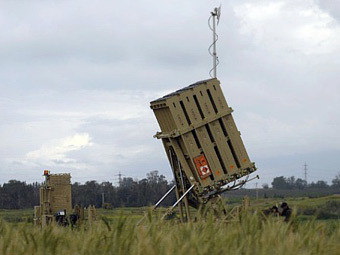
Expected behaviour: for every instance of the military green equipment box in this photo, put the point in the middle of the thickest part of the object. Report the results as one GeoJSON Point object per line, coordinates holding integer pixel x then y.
{"type": "Point", "coordinates": [59, 193]}
{"type": "Point", "coordinates": [200, 137]}
{"type": "Point", "coordinates": [55, 196]}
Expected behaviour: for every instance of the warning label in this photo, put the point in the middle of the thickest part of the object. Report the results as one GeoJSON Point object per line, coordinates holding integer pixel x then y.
{"type": "Point", "coordinates": [202, 166]}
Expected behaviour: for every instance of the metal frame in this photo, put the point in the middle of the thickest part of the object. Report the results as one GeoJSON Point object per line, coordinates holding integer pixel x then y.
{"type": "Point", "coordinates": [186, 217]}
{"type": "Point", "coordinates": [177, 202]}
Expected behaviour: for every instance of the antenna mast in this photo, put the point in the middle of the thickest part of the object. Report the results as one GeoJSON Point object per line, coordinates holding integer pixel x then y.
{"type": "Point", "coordinates": [120, 179]}
{"type": "Point", "coordinates": [305, 171]}
{"type": "Point", "coordinates": [214, 15]}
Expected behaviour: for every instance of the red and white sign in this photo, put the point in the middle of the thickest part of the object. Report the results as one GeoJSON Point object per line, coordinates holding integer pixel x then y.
{"type": "Point", "coordinates": [202, 166]}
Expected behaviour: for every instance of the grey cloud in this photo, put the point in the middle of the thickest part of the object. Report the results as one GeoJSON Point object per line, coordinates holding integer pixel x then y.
{"type": "Point", "coordinates": [62, 162]}
{"type": "Point", "coordinates": [331, 6]}
{"type": "Point", "coordinates": [65, 52]}
{"type": "Point", "coordinates": [79, 67]}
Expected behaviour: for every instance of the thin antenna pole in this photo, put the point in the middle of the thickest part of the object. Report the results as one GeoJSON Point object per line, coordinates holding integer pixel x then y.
{"type": "Point", "coordinates": [257, 192]}
{"type": "Point", "coordinates": [120, 181]}
{"type": "Point", "coordinates": [215, 15]}
{"type": "Point", "coordinates": [214, 45]}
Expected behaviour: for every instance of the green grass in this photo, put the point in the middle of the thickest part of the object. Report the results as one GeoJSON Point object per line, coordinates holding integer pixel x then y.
{"type": "Point", "coordinates": [250, 235]}
{"type": "Point", "coordinates": [16, 216]}
{"type": "Point", "coordinates": [325, 207]}
{"type": "Point", "coordinates": [117, 233]}
{"type": "Point", "coordinates": [322, 207]}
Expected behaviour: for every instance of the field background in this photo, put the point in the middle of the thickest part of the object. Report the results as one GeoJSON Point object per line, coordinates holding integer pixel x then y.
{"type": "Point", "coordinates": [320, 208]}
{"type": "Point", "coordinates": [314, 230]}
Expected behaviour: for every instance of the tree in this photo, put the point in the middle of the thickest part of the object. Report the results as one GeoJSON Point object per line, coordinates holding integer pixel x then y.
{"type": "Point", "coordinates": [280, 183]}
{"type": "Point", "coordinates": [16, 194]}
{"type": "Point", "coordinates": [154, 177]}
{"type": "Point", "coordinates": [291, 182]}
{"type": "Point", "coordinates": [319, 185]}
{"type": "Point", "coordinates": [336, 181]}
{"type": "Point", "coordinates": [300, 184]}
{"type": "Point", "coordinates": [265, 186]}
{"type": "Point", "coordinates": [127, 182]}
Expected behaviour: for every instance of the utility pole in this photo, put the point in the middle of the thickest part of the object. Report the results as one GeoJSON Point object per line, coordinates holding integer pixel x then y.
{"type": "Point", "coordinates": [120, 179]}
{"type": "Point", "coordinates": [103, 199]}
{"type": "Point", "coordinates": [257, 192]}
{"type": "Point", "coordinates": [305, 171]}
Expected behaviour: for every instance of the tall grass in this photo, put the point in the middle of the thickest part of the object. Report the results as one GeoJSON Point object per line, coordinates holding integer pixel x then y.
{"type": "Point", "coordinates": [251, 235]}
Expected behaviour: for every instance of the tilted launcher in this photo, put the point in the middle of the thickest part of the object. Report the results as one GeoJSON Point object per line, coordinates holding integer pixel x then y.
{"type": "Point", "coordinates": [202, 142]}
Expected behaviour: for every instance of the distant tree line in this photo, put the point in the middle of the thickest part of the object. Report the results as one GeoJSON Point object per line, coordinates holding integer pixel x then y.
{"type": "Point", "coordinates": [17, 195]}
{"type": "Point", "coordinates": [129, 192]}
{"type": "Point", "coordinates": [283, 183]}
{"type": "Point", "coordinates": [283, 187]}
{"type": "Point", "coordinates": [135, 193]}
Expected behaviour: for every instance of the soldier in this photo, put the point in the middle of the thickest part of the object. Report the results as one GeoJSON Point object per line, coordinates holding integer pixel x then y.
{"type": "Point", "coordinates": [271, 211]}
{"type": "Point", "coordinates": [60, 218]}
{"type": "Point", "coordinates": [74, 219]}
{"type": "Point", "coordinates": [275, 210]}
{"type": "Point", "coordinates": [286, 211]}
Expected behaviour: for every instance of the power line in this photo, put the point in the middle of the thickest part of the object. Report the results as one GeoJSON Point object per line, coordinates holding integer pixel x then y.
{"type": "Point", "coordinates": [120, 179]}
{"type": "Point", "coordinates": [305, 171]}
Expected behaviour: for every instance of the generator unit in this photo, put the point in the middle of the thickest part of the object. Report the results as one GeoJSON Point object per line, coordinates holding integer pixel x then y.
{"type": "Point", "coordinates": [55, 199]}
{"type": "Point", "coordinates": [202, 142]}
{"type": "Point", "coordinates": [56, 203]}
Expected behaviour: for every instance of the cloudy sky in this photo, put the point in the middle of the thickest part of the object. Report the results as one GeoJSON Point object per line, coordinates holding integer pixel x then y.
{"type": "Point", "coordinates": [76, 79]}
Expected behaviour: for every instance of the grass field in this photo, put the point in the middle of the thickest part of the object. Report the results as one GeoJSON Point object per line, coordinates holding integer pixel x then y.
{"type": "Point", "coordinates": [117, 233]}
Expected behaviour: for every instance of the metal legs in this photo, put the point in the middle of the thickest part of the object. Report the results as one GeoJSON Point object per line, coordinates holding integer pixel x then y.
{"type": "Point", "coordinates": [178, 201]}
{"type": "Point", "coordinates": [158, 203]}
{"type": "Point", "coordinates": [173, 206]}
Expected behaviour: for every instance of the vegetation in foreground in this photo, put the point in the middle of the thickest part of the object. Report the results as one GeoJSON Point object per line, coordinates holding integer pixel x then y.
{"type": "Point", "coordinates": [315, 230]}
{"type": "Point", "coordinates": [252, 234]}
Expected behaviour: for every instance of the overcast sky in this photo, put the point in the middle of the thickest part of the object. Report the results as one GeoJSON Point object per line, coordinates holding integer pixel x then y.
{"type": "Point", "coordinates": [76, 79]}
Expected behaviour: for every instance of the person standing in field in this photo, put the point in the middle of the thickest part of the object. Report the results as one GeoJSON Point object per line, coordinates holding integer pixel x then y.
{"type": "Point", "coordinates": [286, 211]}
